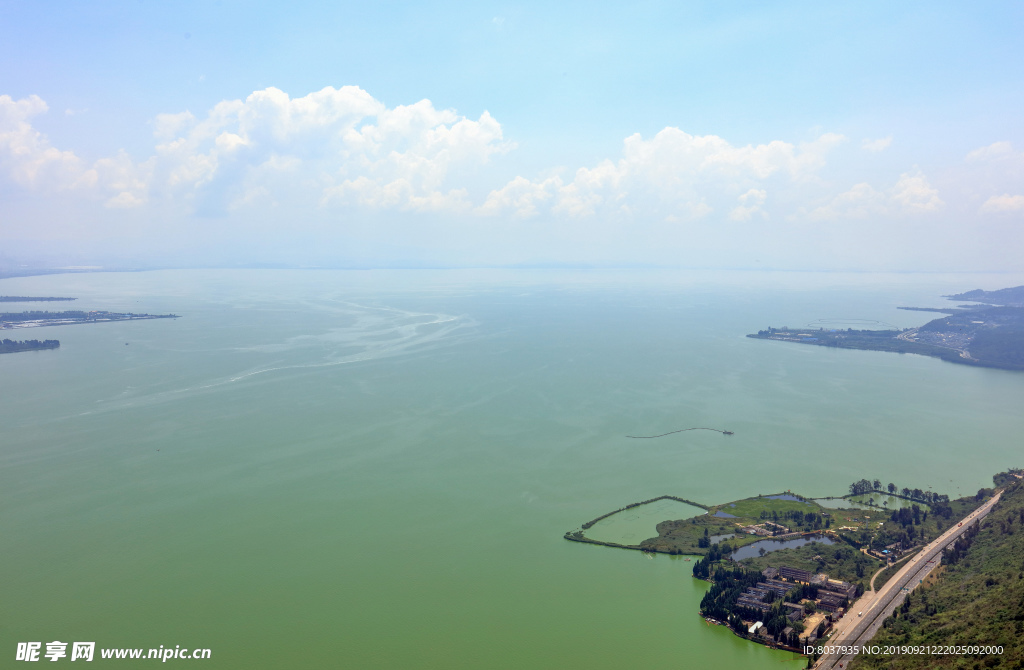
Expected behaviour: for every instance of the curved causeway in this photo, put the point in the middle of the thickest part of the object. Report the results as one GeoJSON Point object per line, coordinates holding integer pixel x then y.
{"type": "Point", "coordinates": [681, 430]}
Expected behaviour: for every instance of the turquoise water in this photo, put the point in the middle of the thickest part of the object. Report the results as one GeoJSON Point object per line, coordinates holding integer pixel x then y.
{"type": "Point", "coordinates": [375, 469]}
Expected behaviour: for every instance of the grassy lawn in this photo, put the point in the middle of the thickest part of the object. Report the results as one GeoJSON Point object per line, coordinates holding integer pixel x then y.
{"type": "Point", "coordinates": [751, 508]}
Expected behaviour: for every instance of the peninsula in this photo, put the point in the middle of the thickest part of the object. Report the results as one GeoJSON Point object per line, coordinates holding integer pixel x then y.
{"type": "Point", "coordinates": [36, 319]}
{"type": "Point", "coordinates": [22, 298]}
{"type": "Point", "coordinates": [989, 333]}
{"type": "Point", "coordinates": [789, 571]}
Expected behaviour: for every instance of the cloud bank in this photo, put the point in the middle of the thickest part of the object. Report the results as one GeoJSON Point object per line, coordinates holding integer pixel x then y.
{"type": "Point", "coordinates": [338, 157]}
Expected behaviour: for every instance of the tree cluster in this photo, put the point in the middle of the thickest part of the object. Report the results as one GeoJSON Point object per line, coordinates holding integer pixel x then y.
{"type": "Point", "coordinates": [812, 519]}
{"type": "Point", "coordinates": [864, 486]}
{"type": "Point", "coordinates": [909, 517]}
{"type": "Point", "coordinates": [960, 547]}
{"type": "Point", "coordinates": [9, 346]}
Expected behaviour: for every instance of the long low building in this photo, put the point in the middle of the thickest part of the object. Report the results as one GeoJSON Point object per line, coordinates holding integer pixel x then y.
{"type": "Point", "coordinates": [752, 604]}
{"type": "Point", "coordinates": [845, 588]}
{"type": "Point", "coordinates": [830, 602]}
{"type": "Point", "coordinates": [794, 607]}
{"type": "Point", "coordinates": [777, 583]}
{"type": "Point", "coordinates": [795, 574]}
{"type": "Point", "coordinates": [774, 586]}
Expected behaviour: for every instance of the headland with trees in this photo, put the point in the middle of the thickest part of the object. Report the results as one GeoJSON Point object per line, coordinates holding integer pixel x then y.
{"type": "Point", "coordinates": [989, 333]}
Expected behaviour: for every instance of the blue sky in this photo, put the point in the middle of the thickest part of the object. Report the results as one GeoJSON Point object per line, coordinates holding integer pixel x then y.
{"type": "Point", "coordinates": [836, 135]}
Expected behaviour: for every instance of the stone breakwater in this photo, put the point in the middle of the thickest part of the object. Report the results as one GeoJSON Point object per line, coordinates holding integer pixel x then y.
{"type": "Point", "coordinates": [578, 536]}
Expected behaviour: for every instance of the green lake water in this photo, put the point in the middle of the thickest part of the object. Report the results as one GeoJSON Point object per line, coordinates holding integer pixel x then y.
{"type": "Point", "coordinates": [324, 469]}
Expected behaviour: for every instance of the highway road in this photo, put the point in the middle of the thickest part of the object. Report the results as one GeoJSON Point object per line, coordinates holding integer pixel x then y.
{"type": "Point", "coordinates": [876, 607]}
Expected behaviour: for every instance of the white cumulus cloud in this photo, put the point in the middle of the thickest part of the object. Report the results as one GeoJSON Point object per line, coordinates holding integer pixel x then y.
{"type": "Point", "coordinates": [915, 194]}
{"type": "Point", "coordinates": [333, 146]}
{"type": "Point", "coordinates": [674, 176]}
{"type": "Point", "coordinates": [28, 159]}
{"type": "Point", "coordinates": [875, 146]}
{"type": "Point", "coordinates": [1003, 203]}
{"type": "Point", "coordinates": [911, 194]}
{"type": "Point", "coordinates": [26, 155]}
{"type": "Point", "coordinates": [996, 150]}
{"type": "Point", "coordinates": [750, 204]}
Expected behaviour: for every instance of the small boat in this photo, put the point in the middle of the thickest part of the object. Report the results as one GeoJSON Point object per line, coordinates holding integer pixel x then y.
{"type": "Point", "coordinates": [727, 432]}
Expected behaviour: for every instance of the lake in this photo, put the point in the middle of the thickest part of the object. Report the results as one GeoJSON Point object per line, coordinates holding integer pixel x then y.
{"type": "Point", "coordinates": [375, 469]}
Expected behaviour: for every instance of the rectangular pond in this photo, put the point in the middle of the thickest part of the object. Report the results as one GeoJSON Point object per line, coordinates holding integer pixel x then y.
{"type": "Point", "coordinates": [752, 550]}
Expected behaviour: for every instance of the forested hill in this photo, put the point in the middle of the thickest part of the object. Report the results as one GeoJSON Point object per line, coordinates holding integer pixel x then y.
{"type": "Point", "coordinates": [1004, 296]}
{"type": "Point", "coordinates": [977, 597]}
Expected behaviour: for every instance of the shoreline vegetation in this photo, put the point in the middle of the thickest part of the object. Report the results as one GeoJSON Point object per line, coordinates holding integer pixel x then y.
{"type": "Point", "coordinates": [14, 346]}
{"type": "Point", "coordinates": [987, 334]}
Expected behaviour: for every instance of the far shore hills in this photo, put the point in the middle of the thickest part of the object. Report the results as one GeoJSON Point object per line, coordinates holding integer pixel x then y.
{"type": "Point", "coordinates": [988, 333]}
{"type": "Point", "coordinates": [24, 298]}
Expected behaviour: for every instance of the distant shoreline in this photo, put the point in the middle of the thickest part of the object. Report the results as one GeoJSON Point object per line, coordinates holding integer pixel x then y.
{"type": "Point", "coordinates": [16, 346]}
{"type": "Point", "coordinates": [990, 334]}
{"type": "Point", "coordinates": [18, 320]}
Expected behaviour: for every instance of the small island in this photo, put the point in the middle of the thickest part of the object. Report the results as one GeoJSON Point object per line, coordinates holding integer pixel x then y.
{"type": "Point", "coordinates": [36, 319]}
{"type": "Point", "coordinates": [988, 334]}
{"type": "Point", "coordinates": [22, 298]}
{"type": "Point", "coordinates": [13, 346]}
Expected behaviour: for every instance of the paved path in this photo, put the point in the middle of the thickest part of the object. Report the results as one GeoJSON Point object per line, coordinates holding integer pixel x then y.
{"type": "Point", "coordinates": [871, 587]}
{"type": "Point", "coordinates": [877, 606]}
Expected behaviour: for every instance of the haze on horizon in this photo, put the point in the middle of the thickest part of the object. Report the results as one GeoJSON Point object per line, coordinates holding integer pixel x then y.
{"type": "Point", "coordinates": [854, 136]}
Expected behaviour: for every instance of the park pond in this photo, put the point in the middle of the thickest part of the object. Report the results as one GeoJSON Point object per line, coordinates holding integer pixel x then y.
{"type": "Point", "coordinates": [636, 524]}
{"type": "Point", "coordinates": [754, 549]}
{"type": "Point", "coordinates": [840, 503]}
{"type": "Point", "coordinates": [887, 501]}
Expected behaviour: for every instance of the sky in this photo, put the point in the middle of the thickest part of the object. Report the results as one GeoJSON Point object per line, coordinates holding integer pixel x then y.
{"type": "Point", "coordinates": [790, 135]}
